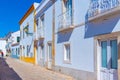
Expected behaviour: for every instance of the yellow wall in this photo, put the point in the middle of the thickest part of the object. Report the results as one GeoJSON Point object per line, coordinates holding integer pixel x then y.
{"type": "Point", "coordinates": [28, 59]}
{"type": "Point", "coordinates": [23, 58]}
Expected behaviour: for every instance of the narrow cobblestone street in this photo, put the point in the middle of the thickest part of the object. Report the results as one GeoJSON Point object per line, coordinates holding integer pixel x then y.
{"type": "Point", "coordinates": [13, 69]}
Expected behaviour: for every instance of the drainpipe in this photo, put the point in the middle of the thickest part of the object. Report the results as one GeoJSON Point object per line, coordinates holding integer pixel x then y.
{"type": "Point", "coordinates": [53, 34]}
{"type": "Point", "coordinates": [34, 32]}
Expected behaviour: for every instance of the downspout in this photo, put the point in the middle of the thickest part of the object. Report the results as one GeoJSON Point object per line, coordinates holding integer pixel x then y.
{"type": "Point", "coordinates": [34, 32]}
{"type": "Point", "coordinates": [53, 34]}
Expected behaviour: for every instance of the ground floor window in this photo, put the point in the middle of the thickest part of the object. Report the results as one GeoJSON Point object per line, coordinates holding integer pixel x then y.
{"type": "Point", "coordinates": [114, 54]}
{"type": "Point", "coordinates": [67, 54]}
{"type": "Point", "coordinates": [28, 50]}
{"type": "Point", "coordinates": [13, 51]}
{"type": "Point", "coordinates": [24, 52]}
{"type": "Point", "coordinates": [108, 58]}
{"type": "Point", "coordinates": [109, 54]}
{"type": "Point", "coordinates": [18, 51]}
{"type": "Point", "coordinates": [50, 51]}
{"type": "Point", "coordinates": [41, 51]}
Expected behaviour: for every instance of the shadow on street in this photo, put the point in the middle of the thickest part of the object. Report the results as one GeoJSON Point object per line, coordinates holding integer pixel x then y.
{"type": "Point", "coordinates": [6, 72]}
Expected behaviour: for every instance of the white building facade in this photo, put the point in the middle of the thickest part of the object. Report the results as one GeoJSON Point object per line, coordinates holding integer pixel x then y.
{"type": "Point", "coordinates": [8, 43]}
{"type": "Point", "coordinates": [26, 34]}
{"type": "Point", "coordinates": [15, 47]}
{"type": "Point", "coordinates": [81, 38]}
{"type": "Point", "coordinates": [44, 33]}
{"type": "Point", "coordinates": [3, 46]}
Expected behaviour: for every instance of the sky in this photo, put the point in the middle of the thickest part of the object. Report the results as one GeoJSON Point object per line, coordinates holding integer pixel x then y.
{"type": "Point", "coordinates": [11, 11]}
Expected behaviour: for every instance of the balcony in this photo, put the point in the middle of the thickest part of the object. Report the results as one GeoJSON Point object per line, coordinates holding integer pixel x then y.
{"type": "Point", "coordinates": [103, 9]}
{"type": "Point", "coordinates": [65, 21]}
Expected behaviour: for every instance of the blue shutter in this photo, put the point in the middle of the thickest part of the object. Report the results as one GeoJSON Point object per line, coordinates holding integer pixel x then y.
{"type": "Point", "coordinates": [104, 54]}
{"type": "Point", "coordinates": [114, 55]}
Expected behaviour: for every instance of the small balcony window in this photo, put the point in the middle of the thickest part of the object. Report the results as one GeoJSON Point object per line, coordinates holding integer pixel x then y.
{"type": "Point", "coordinates": [66, 18]}
{"type": "Point", "coordinates": [40, 28]}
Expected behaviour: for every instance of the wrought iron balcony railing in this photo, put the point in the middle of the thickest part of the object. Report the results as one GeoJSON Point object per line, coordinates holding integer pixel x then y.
{"type": "Point", "coordinates": [65, 21]}
{"type": "Point", "coordinates": [101, 6]}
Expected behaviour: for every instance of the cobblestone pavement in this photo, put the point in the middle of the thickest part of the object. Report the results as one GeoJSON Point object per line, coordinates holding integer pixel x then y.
{"type": "Point", "coordinates": [13, 69]}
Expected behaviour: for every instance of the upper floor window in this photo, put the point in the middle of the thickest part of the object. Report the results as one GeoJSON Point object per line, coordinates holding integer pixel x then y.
{"type": "Point", "coordinates": [18, 39]}
{"type": "Point", "coordinates": [67, 15]}
{"type": "Point", "coordinates": [21, 34]}
{"type": "Point", "coordinates": [37, 22]}
{"type": "Point", "coordinates": [42, 21]}
{"type": "Point", "coordinates": [40, 28]}
{"type": "Point", "coordinates": [26, 29]}
{"type": "Point", "coordinates": [67, 4]}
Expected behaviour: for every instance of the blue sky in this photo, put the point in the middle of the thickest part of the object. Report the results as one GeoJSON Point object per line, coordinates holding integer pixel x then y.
{"type": "Point", "coordinates": [11, 11]}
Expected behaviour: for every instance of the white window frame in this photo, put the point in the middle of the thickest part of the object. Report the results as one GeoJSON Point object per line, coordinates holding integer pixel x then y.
{"type": "Point", "coordinates": [42, 51]}
{"type": "Point", "coordinates": [42, 21]}
{"type": "Point", "coordinates": [49, 44]}
{"type": "Point", "coordinates": [67, 59]}
{"type": "Point", "coordinates": [69, 12]}
{"type": "Point", "coordinates": [64, 9]}
{"type": "Point", "coordinates": [98, 39]}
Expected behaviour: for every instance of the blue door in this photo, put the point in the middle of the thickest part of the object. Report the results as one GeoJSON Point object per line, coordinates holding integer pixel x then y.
{"type": "Point", "coordinates": [109, 60]}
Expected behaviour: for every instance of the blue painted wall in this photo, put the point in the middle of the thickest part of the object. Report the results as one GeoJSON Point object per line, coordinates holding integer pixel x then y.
{"type": "Point", "coordinates": [15, 56]}
{"type": "Point", "coordinates": [14, 53]}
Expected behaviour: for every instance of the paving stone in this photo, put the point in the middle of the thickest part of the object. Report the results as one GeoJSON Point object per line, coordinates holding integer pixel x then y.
{"type": "Point", "coordinates": [14, 69]}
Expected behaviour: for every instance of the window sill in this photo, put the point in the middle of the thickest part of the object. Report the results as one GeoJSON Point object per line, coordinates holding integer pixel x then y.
{"type": "Point", "coordinates": [67, 62]}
